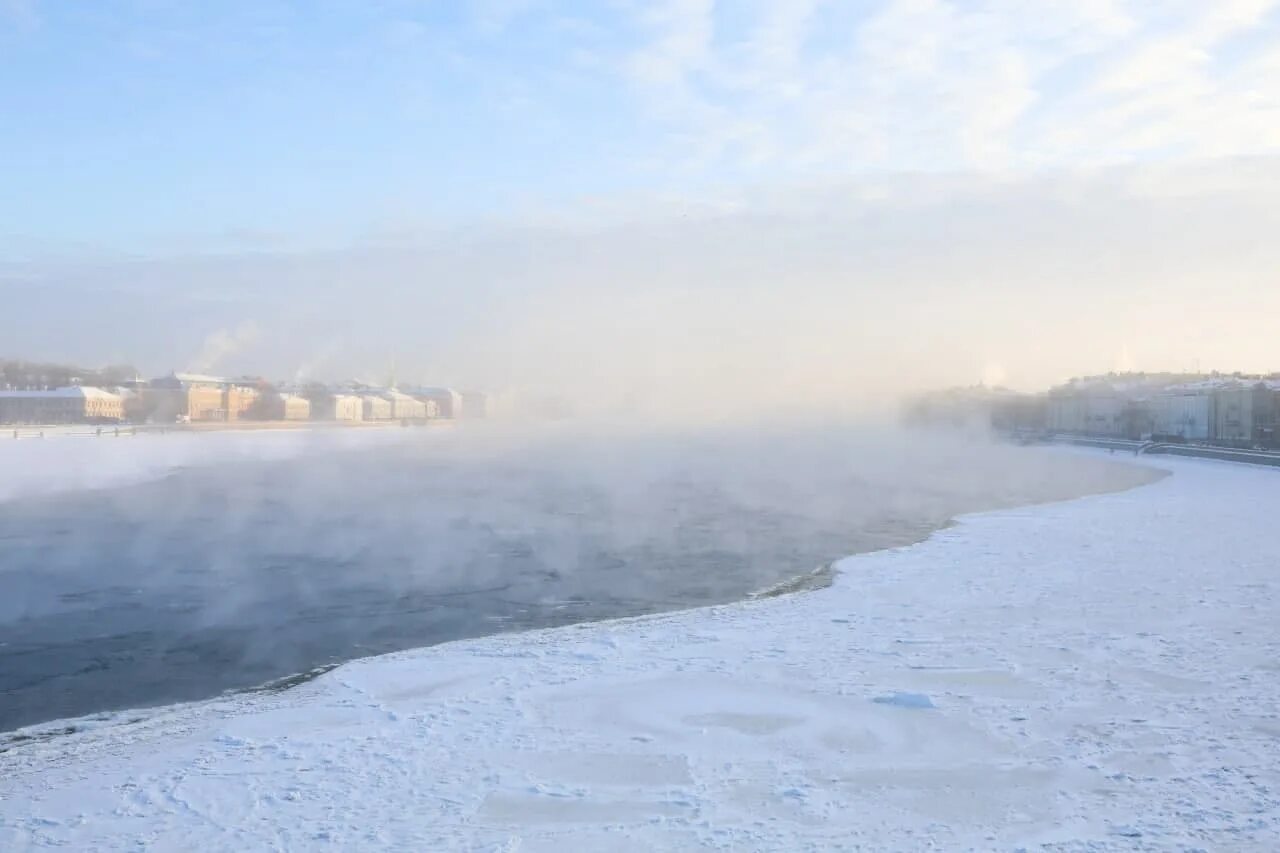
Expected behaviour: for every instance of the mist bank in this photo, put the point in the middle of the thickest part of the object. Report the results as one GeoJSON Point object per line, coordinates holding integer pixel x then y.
{"type": "Point", "coordinates": [817, 297]}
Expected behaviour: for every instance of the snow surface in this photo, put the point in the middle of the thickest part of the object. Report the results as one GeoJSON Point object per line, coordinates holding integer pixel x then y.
{"type": "Point", "coordinates": [1103, 674]}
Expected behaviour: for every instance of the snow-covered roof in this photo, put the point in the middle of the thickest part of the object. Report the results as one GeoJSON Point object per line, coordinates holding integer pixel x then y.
{"type": "Point", "coordinates": [1142, 385]}
{"type": "Point", "coordinates": [75, 391]}
{"type": "Point", "coordinates": [199, 378]}
{"type": "Point", "coordinates": [1223, 383]}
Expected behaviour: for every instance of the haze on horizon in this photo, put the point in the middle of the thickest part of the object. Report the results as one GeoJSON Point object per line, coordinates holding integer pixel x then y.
{"type": "Point", "coordinates": [706, 204]}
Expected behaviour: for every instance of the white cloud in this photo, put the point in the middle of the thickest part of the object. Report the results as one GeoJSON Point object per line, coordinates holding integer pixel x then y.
{"type": "Point", "coordinates": [494, 16]}
{"type": "Point", "coordinates": [990, 84]}
{"type": "Point", "coordinates": [680, 43]}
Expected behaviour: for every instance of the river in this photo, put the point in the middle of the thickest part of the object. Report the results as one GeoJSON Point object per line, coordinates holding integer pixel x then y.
{"type": "Point", "coordinates": [227, 573]}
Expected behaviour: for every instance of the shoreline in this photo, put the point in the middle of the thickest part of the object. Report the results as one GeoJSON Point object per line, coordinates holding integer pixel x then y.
{"type": "Point", "coordinates": [812, 580]}
{"type": "Point", "coordinates": [22, 432]}
{"type": "Point", "coordinates": [1217, 453]}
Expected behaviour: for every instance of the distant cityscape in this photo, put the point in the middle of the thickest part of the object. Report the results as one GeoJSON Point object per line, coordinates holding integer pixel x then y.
{"type": "Point", "coordinates": [1229, 410]}
{"type": "Point", "coordinates": [51, 395]}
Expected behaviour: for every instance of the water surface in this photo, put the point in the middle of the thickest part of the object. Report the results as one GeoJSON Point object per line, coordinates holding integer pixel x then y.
{"type": "Point", "coordinates": [229, 573]}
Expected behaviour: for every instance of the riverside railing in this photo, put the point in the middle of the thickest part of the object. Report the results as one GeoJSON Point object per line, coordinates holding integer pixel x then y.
{"type": "Point", "coordinates": [10, 431]}
{"type": "Point", "coordinates": [1168, 448]}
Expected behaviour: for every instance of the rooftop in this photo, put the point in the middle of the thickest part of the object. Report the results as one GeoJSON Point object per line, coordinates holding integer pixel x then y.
{"type": "Point", "coordinates": [74, 391]}
{"type": "Point", "coordinates": [200, 378]}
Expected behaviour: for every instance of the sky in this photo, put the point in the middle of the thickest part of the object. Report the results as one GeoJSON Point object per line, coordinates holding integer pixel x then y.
{"type": "Point", "coordinates": [678, 197]}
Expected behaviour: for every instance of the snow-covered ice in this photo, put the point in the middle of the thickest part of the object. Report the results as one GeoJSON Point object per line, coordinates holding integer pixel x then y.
{"type": "Point", "coordinates": [1097, 674]}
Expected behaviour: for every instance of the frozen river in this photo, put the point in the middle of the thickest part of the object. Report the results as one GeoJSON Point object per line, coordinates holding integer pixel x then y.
{"type": "Point", "coordinates": [185, 570]}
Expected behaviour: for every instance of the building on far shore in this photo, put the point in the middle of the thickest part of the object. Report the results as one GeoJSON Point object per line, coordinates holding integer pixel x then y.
{"type": "Point", "coordinates": [240, 398]}
{"type": "Point", "coordinates": [283, 406]}
{"type": "Point", "coordinates": [404, 407]}
{"type": "Point", "coordinates": [375, 408]}
{"type": "Point", "coordinates": [73, 405]}
{"type": "Point", "coordinates": [337, 407]}
{"type": "Point", "coordinates": [1088, 409]}
{"type": "Point", "coordinates": [197, 397]}
{"type": "Point", "coordinates": [1267, 427]}
{"type": "Point", "coordinates": [448, 401]}
{"type": "Point", "coordinates": [1223, 410]}
{"type": "Point", "coordinates": [132, 402]}
{"type": "Point", "coordinates": [185, 396]}
{"type": "Point", "coordinates": [1227, 409]}
{"type": "Point", "coordinates": [1242, 413]}
{"type": "Point", "coordinates": [1182, 415]}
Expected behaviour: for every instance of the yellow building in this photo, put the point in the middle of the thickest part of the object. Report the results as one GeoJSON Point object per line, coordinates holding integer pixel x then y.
{"type": "Point", "coordinates": [404, 407]}
{"type": "Point", "coordinates": [73, 405]}
{"type": "Point", "coordinates": [283, 407]}
{"type": "Point", "coordinates": [197, 397]}
{"type": "Point", "coordinates": [376, 408]}
{"type": "Point", "coordinates": [239, 398]}
{"type": "Point", "coordinates": [338, 407]}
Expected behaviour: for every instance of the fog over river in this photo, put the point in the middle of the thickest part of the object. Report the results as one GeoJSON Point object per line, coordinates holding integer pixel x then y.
{"type": "Point", "coordinates": [235, 569]}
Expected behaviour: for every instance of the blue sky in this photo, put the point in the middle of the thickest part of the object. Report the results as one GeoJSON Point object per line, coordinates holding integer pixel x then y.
{"type": "Point", "coordinates": [135, 118]}
{"type": "Point", "coordinates": [132, 123]}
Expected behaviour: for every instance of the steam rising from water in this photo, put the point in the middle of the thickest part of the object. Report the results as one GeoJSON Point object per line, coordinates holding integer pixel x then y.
{"type": "Point", "coordinates": [228, 575]}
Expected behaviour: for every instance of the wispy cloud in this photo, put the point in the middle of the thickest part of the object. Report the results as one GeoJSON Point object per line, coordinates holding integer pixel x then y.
{"type": "Point", "coordinates": [492, 17]}
{"type": "Point", "coordinates": [19, 13]}
{"type": "Point", "coordinates": [931, 83]}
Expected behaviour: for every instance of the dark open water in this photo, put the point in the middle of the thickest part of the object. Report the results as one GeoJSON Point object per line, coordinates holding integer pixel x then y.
{"type": "Point", "coordinates": [227, 575]}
